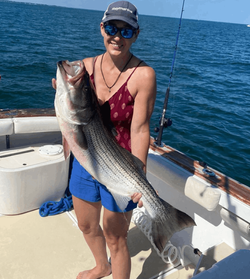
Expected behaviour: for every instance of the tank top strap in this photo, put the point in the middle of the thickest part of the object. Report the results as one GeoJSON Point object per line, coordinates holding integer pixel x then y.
{"type": "Point", "coordinates": [94, 66]}
{"type": "Point", "coordinates": [134, 70]}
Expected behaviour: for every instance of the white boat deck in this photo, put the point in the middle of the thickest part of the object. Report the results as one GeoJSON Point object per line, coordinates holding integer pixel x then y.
{"type": "Point", "coordinates": [34, 247]}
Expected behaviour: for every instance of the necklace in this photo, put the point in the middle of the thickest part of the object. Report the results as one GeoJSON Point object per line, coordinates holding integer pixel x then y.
{"type": "Point", "coordinates": [110, 87]}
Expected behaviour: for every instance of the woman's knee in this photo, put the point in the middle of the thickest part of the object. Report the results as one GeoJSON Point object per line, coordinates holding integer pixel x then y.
{"type": "Point", "coordinates": [84, 227]}
{"type": "Point", "coordinates": [89, 227]}
{"type": "Point", "coordinates": [115, 242]}
{"type": "Point", "coordinates": [115, 229]}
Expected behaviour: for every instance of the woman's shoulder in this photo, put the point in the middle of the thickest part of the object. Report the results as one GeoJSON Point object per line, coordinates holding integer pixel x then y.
{"type": "Point", "coordinates": [143, 80]}
{"type": "Point", "coordinates": [143, 69]}
{"type": "Point", "coordinates": [89, 63]}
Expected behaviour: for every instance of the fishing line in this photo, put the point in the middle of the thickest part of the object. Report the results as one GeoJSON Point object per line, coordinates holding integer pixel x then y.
{"type": "Point", "coordinates": [166, 122]}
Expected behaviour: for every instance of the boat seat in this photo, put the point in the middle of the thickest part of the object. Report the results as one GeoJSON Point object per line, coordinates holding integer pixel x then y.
{"type": "Point", "coordinates": [33, 169]}
{"type": "Point", "coordinates": [23, 125]}
{"type": "Point", "coordinates": [12, 130]}
{"type": "Point", "coordinates": [7, 127]}
{"type": "Point", "coordinates": [235, 266]}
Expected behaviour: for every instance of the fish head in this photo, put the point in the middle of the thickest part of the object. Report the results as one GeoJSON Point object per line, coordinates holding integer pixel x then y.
{"type": "Point", "coordinates": [75, 97]}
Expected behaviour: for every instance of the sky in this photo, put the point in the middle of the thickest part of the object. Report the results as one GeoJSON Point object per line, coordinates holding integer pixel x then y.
{"type": "Point", "coordinates": [232, 11]}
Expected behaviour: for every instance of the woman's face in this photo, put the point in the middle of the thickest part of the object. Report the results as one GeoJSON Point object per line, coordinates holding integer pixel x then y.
{"type": "Point", "coordinates": [117, 44]}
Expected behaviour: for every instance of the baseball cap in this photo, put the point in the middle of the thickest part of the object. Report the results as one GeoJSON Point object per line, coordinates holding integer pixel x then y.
{"type": "Point", "coordinates": [122, 10]}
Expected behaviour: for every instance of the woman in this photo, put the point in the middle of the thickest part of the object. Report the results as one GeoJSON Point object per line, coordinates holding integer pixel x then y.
{"type": "Point", "coordinates": [126, 90]}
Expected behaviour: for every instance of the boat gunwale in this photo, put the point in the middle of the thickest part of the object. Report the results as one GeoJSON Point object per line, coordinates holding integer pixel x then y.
{"type": "Point", "coordinates": [221, 181]}
{"type": "Point", "coordinates": [226, 184]}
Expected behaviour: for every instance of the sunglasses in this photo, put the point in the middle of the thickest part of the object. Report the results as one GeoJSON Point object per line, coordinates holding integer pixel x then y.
{"type": "Point", "coordinates": [126, 32]}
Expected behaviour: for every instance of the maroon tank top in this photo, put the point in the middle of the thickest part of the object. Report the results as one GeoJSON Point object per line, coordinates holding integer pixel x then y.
{"type": "Point", "coordinates": [119, 109]}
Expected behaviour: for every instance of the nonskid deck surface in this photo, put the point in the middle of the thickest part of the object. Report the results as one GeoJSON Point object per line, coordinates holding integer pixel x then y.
{"type": "Point", "coordinates": [36, 247]}
{"type": "Point", "coordinates": [53, 247]}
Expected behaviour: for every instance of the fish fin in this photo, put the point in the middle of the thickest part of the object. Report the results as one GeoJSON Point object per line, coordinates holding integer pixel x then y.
{"type": "Point", "coordinates": [80, 138]}
{"type": "Point", "coordinates": [163, 231]}
{"type": "Point", "coordinates": [121, 201]}
{"type": "Point", "coordinates": [66, 148]}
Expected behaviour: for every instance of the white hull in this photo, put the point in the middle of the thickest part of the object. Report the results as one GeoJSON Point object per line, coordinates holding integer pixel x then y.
{"type": "Point", "coordinates": [219, 205]}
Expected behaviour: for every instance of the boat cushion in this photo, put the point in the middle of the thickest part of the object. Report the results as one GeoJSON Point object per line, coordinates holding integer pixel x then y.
{"type": "Point", "coordinates": [39, 124]}
{"type": "Point", "coordinates": [235, 266]}
{"type": "Point", "coordinates": [6, 125]}
{"type": "Point", "coordinates": [202, 193]}
{"type": "Point", "coordinates": [180, 179]}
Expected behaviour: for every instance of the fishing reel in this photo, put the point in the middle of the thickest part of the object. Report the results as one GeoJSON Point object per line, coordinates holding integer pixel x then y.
{"type": "Point", "coordinates": [164, 123]}
{"type": "Point", "coordinates": [167, 122]}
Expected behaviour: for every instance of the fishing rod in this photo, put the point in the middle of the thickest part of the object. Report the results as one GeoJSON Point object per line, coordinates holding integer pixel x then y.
{"type": "Point", "coordinates": [166, 122]}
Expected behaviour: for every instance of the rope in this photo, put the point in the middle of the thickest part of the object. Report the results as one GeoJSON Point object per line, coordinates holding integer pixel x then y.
{"type": "Point", "coordinates": [52, 208]}
{"type": "Point", "coordinates": [170, 253]}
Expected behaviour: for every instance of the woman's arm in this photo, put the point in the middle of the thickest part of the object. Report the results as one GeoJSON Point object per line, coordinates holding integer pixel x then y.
{"type": "Point", "coordinates": [143, 109]}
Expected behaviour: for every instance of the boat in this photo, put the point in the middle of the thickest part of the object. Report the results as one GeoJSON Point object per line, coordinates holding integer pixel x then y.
{"type": "Point", "coordinates": [248, 25]}
{"type": "Point", "coordinates": [33, 171]}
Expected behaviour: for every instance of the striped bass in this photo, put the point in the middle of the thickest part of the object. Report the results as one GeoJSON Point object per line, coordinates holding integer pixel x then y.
{"type": "Point", "coordinates": [96, 149]}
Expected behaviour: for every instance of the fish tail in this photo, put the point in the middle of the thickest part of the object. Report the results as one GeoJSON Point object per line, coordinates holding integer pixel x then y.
{"type": "Point", "coordinates": [176, 221]}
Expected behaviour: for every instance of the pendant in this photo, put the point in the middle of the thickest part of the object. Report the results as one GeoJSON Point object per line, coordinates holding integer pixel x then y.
{"type": "Point", "coordinates": [109, 90]}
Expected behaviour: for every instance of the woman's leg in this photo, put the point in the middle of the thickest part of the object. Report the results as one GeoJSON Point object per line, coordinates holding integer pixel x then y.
{"type": "Point", "coordinates": [115, 228]}
{"type": "Point", "coordinates": [88, 216]}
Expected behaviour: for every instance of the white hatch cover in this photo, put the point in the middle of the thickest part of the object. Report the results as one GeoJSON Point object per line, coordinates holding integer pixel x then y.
{"type": "Point", "coordinates": [50, 150]}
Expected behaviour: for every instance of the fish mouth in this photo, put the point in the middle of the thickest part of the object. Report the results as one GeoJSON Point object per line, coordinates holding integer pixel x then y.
{"type": "Point", "coordinates": [72, 72]}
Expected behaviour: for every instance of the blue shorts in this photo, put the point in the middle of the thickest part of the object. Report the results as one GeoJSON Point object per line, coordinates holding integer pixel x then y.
{"type": "Point", "coordinates": [83, 186]}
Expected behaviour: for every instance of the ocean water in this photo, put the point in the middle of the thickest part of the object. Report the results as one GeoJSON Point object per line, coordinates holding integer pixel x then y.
{"type": "Point", "coordinates": [209, 100]}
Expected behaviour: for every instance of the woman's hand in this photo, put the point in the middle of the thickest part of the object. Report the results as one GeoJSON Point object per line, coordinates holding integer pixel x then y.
{"type": "Point", "coordinates": [136, 198]}
{"type": "Point", "coordinates": [54, 83]}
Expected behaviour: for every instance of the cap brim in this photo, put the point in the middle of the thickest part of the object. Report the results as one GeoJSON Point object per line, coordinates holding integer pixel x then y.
{"type": "Point", "coordinates": [125, 19]}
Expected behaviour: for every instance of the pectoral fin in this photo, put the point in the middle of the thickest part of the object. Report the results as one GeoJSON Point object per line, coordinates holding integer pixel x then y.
{"type": "Point", "coordinates": [121, 201]}
{"type": "Point", "coordinates": [80, 138]}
